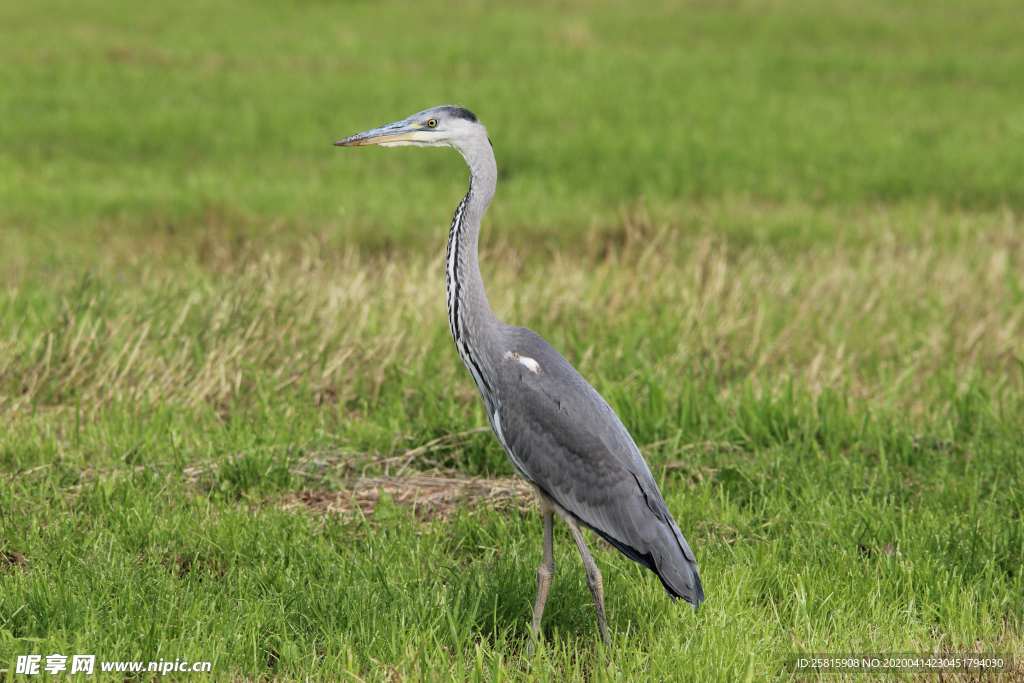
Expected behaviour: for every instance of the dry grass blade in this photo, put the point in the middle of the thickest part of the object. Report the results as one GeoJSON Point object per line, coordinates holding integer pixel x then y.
{"type": "Point", "coordinates": [882, 321]}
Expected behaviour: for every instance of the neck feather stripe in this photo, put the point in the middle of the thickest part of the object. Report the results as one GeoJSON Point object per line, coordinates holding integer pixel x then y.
{"type": "Point", "coordinates": [453, 288]}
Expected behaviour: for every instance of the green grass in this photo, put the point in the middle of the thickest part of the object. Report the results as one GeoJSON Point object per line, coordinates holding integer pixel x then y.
{"type": "Point", "coordinates": [791, 544]}
{"type": "Point", "coordinates": [125, 117]}
{"type": "Point", "coordinates": [783, 240]}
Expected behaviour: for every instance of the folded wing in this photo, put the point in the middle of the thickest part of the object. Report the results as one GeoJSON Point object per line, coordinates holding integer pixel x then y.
{"type": "Point", "coordinates": [568, 441]}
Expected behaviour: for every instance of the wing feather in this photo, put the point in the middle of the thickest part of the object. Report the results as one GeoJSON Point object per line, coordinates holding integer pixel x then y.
{"type": "Point", "coordinates": [572, 445]}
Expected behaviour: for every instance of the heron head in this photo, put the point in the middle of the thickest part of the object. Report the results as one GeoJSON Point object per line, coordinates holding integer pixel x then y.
{"type": "Point", "coordinates": [444, 126]}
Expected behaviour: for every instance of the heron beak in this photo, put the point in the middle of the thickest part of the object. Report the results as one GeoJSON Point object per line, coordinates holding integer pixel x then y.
{"type": "Point", "coordinates": [395, 133]}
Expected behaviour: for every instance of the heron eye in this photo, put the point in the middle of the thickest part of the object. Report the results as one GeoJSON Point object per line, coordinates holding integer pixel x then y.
{"type": "Point", "coordinates": [432, 123]}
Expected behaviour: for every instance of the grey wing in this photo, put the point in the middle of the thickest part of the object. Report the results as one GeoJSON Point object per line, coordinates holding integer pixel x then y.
{"type": "Point", "coordinates": [568, 441]}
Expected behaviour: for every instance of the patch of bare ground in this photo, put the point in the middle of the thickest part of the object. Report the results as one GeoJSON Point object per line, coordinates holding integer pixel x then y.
{"type": "Point", "coordinates": [427, 496]}
{"type": "Point", "coordinates": [183, 565]}
{"type": "Point", "coordinates": [431, 494]}
{"type": "Point", "coordinates": [9, 561]}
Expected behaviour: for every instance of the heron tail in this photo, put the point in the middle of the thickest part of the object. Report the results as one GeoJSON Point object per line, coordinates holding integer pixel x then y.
{"type": "Point", "coordinates": [673, 562]}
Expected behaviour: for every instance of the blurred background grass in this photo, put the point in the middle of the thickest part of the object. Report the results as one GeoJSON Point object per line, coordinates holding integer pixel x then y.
{"type": "Point", "coordinates": [133, 119]}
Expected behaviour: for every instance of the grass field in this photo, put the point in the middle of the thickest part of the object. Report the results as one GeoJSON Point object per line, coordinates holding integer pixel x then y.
{"type": "Point", "coordinates": [783, 239]}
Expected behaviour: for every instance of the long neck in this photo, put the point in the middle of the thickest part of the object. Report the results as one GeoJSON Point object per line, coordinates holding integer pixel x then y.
{"type": "Point", "coordinates": [473, 325]}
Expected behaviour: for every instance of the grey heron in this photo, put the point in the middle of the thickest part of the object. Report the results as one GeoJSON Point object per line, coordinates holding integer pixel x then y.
{"type": "Point", "coordinates": [560, 435]}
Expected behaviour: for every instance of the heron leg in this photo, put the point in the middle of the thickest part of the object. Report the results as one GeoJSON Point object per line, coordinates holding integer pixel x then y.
{"type": "Point", "coordinates": [594, 581]}
{"type": "Point", "coordinates": [545, 573]}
